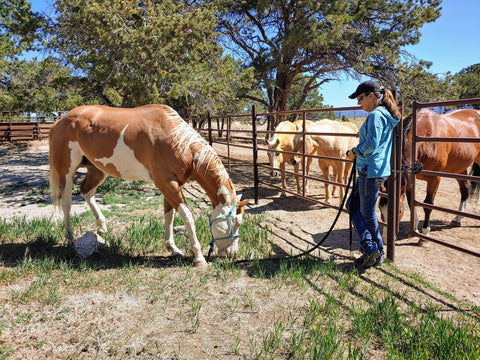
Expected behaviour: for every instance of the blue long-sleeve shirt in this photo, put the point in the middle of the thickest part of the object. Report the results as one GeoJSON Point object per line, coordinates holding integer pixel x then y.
{"type": "Point", "coordinates": [375, 143]}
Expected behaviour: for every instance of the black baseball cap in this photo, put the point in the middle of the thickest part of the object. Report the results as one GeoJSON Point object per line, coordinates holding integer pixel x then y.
{"type": "Point", "coordinates": [366, 87]}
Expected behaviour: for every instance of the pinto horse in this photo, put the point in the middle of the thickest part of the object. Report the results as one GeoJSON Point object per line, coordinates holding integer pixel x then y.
{"type": "Point", "coordinates": [448, 157]}
{"type": "Point", "coordinates": [150, 143]}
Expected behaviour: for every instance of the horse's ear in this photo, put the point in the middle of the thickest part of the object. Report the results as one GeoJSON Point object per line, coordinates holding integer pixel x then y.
{"type": "Point", "coordinates": [299, 127]}
{"type": "Point", "coordinates": [241, 204]}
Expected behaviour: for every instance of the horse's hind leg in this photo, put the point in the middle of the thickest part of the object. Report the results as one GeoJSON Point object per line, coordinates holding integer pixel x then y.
{"type": "Point", "coordinates": [66, 183]}
{"type": "Point", "coordinates": [89, 185]}
{"type": "Point", "coordinates": [432, 187]}
{"type": "Point", "coordinates": [463, 202]}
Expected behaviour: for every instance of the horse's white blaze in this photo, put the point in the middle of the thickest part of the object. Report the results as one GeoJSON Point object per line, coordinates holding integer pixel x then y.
{"type": "Point", "coordinates": [223, 228]}
{"type": "Point", "coordinates": [124, 160]}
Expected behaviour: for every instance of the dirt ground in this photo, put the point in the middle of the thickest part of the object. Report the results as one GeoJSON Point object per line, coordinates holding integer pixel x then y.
{"type": "Point", "coordinates": [298, 224]}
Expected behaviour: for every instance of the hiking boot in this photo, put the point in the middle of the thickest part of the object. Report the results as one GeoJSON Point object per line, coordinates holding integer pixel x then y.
{"type": "Point", "coordinates": [366, 261]}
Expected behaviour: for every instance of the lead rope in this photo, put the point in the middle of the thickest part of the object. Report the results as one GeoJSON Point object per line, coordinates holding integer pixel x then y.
{"type": "Point", "coordinates": [350, 227]}
{"type": "Point", "coordinates": [350, 179]}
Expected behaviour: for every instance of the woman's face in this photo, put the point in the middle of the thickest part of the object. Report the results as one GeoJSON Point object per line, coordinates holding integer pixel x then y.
{"type": "Point", "coordinates": [367, 101]}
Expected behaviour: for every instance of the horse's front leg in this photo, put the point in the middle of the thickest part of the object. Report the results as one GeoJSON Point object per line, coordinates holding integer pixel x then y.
{"type": "Point", "coordinates": [297, 179]}
{"type": "Point", "coordinates": [282, 175]}
{"type": "Point", "coordinates": [195, 249]}
{"type": "Point", "coordinates": [169, 213]}
{"type": "Point", "coordinates": [324, 168]}
{"type": "Point", "coordinates": [307, 171]}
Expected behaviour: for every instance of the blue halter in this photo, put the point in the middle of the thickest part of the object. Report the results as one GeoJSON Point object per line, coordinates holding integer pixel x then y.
{"type": "Point", "coordinates": [232, 235]}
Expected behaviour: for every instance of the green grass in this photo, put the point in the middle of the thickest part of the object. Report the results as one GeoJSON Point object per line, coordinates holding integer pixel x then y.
{"type": "Point", "coordinates": [325, 310]}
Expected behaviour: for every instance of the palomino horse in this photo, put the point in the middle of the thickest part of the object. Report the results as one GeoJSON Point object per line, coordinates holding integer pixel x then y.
{"type": "Point", "coordinates": [448, 157]}
{"type": "Point", "coordinates": [334, 146]}
{"type": "Point", "coordinates": [284, 142]}
{"type": "Point", "coordinates": [150, 143]}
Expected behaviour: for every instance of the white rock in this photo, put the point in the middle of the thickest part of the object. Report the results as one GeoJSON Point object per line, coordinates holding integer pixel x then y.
{"type": "Point", "coordinates": [88, 244]}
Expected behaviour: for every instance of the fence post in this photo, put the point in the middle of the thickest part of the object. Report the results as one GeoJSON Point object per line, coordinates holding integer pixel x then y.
{"type": "Point", "coordinates": [304, 126]}
{"type": "Point", "coordinates": [255, 153]}
{"type": "Point", "coordinates": [209, 120]}
{"type": "Point", "coordinates": [37, 134]}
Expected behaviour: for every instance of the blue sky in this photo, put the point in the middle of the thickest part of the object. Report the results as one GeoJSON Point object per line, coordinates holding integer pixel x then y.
{"type": "Point", "coordinates": [452, 43]}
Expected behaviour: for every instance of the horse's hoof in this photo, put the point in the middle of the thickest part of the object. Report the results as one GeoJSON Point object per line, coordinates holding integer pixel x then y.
{"type": "Point", "coordinates": [176, 253]}
{"type": "Point", "coordinates": [423, 243]}
{"type": "Point", "coordinates": [426, 231]}
{"type": "Point", "coordinates": [455, 223]}
{"type": "Point", "coordinates": [282, 195]}
{"type": "Point", "coordinates": [200, 263]}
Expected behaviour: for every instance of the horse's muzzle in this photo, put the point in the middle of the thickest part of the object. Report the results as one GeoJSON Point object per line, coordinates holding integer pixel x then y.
{"type": "Point", "coordinates": [273, 173]}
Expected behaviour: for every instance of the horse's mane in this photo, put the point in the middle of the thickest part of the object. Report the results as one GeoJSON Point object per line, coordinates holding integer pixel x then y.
{"type": "Point", "coordinates": [185, 138]}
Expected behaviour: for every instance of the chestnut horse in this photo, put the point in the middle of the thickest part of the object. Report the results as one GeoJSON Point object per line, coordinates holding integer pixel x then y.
{"type": "Point", "coordinates": [150, 143]}
{"type": "Point", "coordinates": [281, 141]}
{"type": "Point", "coordinates": [448, 157]}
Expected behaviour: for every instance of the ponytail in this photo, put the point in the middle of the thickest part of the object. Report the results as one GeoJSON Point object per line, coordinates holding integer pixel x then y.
{"type": "Point", "coordinates": [386, 99]}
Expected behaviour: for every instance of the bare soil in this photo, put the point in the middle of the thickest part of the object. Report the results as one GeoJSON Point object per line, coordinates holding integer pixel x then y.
{"type": "Point", "coordinates": [167, 311]}
{"type": "Point", "coordinates": [298, 224]}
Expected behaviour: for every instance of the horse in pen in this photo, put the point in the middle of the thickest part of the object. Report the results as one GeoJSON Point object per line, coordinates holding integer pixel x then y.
{"type": "Point", "coordinates": [282, 141]}
{"type": "Point", "coordinates": [334, 146]}
{"type": "Point", "coordinates": [150, 143]}
{"type": "Point", "coordinates": [448, 157]}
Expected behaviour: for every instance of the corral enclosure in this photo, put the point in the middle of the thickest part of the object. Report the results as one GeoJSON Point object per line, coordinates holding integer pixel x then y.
{"type": "Point", "coordinates": [133, 301]}
{"type": "Point", "coordinates": [236, 143]}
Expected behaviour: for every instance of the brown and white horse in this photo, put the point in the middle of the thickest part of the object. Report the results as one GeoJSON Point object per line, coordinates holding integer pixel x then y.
{"type": "Point", "coordinates": [448, 157]}
{"type": "Point", "coordinates": [334, 146]}
{"type": "Point", "coordinates": [281, 141]}
{"type": "Point", "coordinates": [150, 143]}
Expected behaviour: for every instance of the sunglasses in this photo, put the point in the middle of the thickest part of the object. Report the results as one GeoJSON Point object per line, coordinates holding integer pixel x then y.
{"type": "Point", "coordinates": [361, 97]}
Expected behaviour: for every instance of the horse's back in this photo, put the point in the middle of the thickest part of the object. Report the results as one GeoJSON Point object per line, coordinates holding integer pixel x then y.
{"type": "Point", "coordinates": [120, 142]}
{"type": "Point", "coordinates": [282, 141]}
{"type": "Point", "coordinates": [446, 156]}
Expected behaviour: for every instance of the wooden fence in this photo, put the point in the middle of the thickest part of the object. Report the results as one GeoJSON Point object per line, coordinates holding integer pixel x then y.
{"type": "Point", "coordinates": [26, 127]}
{"type": "Point", "coordinates": [22, 131]}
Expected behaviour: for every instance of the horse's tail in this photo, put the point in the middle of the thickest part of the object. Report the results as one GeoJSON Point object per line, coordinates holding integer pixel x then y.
{"type": "Point", "coordinates": [475, 185]}
{"type": "Point", "coordinates": [55, 192]}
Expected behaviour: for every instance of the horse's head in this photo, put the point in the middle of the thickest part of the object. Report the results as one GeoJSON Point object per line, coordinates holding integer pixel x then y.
{"type": "Point", "coordinates": [274, 156]}
{"type": "Point", "coordinates": [225, 222]}
{"type": "Point", "coordinates": [298, 147]}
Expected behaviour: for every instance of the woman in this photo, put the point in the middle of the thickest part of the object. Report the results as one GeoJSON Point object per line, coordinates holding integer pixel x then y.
{"type": "Point", "coordinates": [373, 164]}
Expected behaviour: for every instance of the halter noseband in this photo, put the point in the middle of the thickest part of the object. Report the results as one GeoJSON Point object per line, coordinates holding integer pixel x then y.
{"type": "Point", "coordinates": [232, 235]}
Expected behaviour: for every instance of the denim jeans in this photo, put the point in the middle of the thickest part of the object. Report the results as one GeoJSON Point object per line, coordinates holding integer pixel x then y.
{"type": "Point", "coordinates": [362, 205]}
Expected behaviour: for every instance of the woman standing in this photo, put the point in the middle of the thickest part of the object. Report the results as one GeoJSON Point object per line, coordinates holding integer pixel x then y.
{"type": "Point", "coordinates": [373, 165]}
